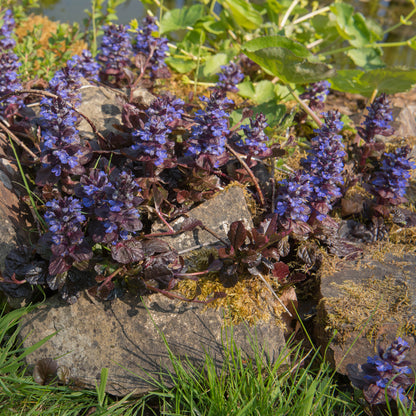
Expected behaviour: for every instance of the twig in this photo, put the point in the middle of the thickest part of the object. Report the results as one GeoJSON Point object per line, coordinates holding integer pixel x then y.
{"type": "Point", "coordinates": [273, 292]}
{"type": "Point", "coordinates": [18, 141]}
{"type": "Point", "coordinates": [305, 106]}
{"type": "Point", "coordinates": [249, 171]}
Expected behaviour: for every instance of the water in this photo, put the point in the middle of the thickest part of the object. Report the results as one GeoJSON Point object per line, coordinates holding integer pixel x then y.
{"type": "Point", "coordinates": [73, 10]}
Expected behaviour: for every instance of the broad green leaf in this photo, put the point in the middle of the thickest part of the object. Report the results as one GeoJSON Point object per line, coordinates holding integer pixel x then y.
{"type": "Point", "coordinates": [177, 19]}
{"type": "Point", "coordinates": [387, 80]}
{"type": "Point", "coordinates": [213, 63]}
{"type": "Point", "coordinates": [351, 26]}
{"type": "Point", "coordinates": [290, 68]}
{"type": "Point", "coordinates": [243, 13]}
{"type": "Point", "coordinates": [181, 65]}
{"type": "Point", "coordinates": [262, 92]}
{"type": "Point", "coordinates": [277, 41]}
{"type": "Point", "coordinates": [367, 58]}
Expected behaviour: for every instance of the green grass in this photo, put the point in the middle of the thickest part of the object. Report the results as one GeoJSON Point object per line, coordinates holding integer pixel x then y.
{"type": "Point", "coordinates": [306, 386]}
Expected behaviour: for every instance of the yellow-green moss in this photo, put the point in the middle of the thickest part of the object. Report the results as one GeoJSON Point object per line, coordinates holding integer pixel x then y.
{"type": "Point", "coordinates": [368, 306]}
{"type": "Point", "coordinates": [248, 300]}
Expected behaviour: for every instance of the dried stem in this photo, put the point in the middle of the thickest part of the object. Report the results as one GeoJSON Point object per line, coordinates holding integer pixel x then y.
{"type": "Point", "coordinates": [17, 141]}
{"type": "Point", "coordinates": [249, 171]}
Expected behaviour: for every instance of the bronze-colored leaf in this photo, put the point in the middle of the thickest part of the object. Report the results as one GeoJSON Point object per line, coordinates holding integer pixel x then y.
{"type": "Point", "coordinates": [45, 371]}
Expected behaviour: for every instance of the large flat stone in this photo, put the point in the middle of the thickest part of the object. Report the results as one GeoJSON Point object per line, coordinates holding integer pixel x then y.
{"type": "Point", "coordinates": [217, 214]}
{"type": "Point", "coordinates": [128, 333]}
{"type": "Point", "coordinates": [368, 303]}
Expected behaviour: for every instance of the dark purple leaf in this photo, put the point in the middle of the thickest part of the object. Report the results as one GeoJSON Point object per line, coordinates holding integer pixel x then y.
{"type": "Point", "coordinates": [237, 234]}
{"type": "Point", "coordinates": [189, 224]}
{"type": "Point", "coordinates": [155, 245]}
{"type": "Point", "coordinates": [307, 254]}
{"type": "Point", "coordinates": [56, 281]}
{"type": "Point", "coordinates": [281, 271]}
{"type": "Point", "coordinates": [59, 265]}
{"type": "Point", "coordinates": [82, 252]}
{"type": "Point", "coordinates": [126, 252]}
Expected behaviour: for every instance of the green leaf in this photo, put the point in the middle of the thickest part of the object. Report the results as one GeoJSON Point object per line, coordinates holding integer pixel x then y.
{"type": "Point", "coordinates": [244, 14]}
{"type": "Point", "coordinates": [277, 41]}
{"type": "Point", "coordinates": [213, 63]}
{"type": "Point", "coordinates": [284, 63]}
{"type": "Point", "coordinates": [261, 92]}
{"type": "Point", "coordinates": [177, 19]}
{"type": "Point", "coordinates": [272, 111]}
{"type": "Point", "coordinates": [181, 65]}
{"type": "Point", "coordinates": [367, 58]}
{"type": "Point", "coordinates": [387, 80]}
{"type": "Point", "coordinates": [351, 26]}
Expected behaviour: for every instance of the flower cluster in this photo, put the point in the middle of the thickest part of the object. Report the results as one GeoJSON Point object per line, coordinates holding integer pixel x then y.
{"type": "Point", "coordinates": [152, 140]}
{"type": "Point", "coordinates": [9, 65]}
{"type": "Point", "coordinates": [229, 77]}
{"type": "Point", "coordinates": [377, 120]}
{"type": "Point", "coordinates": [209, 134]}
{"type": "Point", "coordinates": [317, 185]}
{"type": "Point", "coordinates": [115, 52]}
{"type": "Point", "coordinates": [85, 65]}
{"type": "Point", "coordinates": [112, 203]}
{"type": "Point", "coordinates": [152, 47]}
{"type": "Point", "coordinates": [61, 150]}
{"type": "Point", "coordinates": [65, 220]}
{"type": "Point", "coordinates": [255, 140]}
{"type": "Point", "coordinates": [316, 93]}
{"type": "Point", "coordinates": [325, 160]}
{"type": "Point", "coordinates": [292, 201]}
{"type": "Point", "coordinates": [388, 372]}
{"type": "Point", "coordinates": [391, 180]}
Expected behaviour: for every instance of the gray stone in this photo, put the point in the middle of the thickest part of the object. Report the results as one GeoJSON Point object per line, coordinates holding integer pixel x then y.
{"type": "Point", "coordinates": [125, 335]}
{"type": "Point", "coordinates": [12, 211]}
{"type": "Point", "coordinates": [217, 214]}
{"type": "Point", "coordinates": [103, 106]}
{"type": "Point", "coordinates": [368, 303]}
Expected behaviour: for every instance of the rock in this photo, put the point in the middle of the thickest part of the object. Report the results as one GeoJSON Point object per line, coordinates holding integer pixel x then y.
{"type": "Point", "coordinates": [103, 106]}
{"type": "Point", "coordinates": [369, 303]}
{"type": "Point", "coordinates": [217, 214]}
{"type": "Point", "coordinates": [12, 211]}
{"type": "Point", "coordinates": [125, 335]}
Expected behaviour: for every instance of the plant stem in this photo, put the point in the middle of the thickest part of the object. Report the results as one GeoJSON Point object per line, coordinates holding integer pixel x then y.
{"type": "Point", "coordinates": [402, 22]}
{"type": "Point", "coordinates": [310, 15]}
{"type": "Point", "coordinates": [17, 141]}
{"type": "Point", "coordinates": [249, 171]}
{"type": "Point", "coordinates": [287, 14]}
{"type": "Point", "coordinates": [305, 106]}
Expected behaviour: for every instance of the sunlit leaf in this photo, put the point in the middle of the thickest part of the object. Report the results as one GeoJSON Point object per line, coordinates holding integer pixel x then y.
{"type": "Point", "coordinates": [177, 19]}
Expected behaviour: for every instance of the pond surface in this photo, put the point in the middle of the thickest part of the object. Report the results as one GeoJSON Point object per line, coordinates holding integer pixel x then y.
{"type": "Point", "coordinates": [387, 11]}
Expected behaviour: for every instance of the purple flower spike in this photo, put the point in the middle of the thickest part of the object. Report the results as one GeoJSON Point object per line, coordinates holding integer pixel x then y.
{"type": "Point", "coordinates": [377, 120]}
{"type": "Point", "coordinates": [316, 93]}
{"type": "Point", "coordinates": [325, 162]}
{"type": "Point", "coordinates": [292, 201]}
{"type": "Point", "coordinates": [255, 142]}
{"type": "Point", "coordinates": [391, 181]}
{"type": "Point", "coordinates": [115, 52]}
{"type": "Point", "coordinates": [152, 141]}
{"type": "Point", "coordinates": [387, 373]}
{"type": "Point", "coordinates": [209, 134]}
{"type": "Point", "coordinates": [150, 45]}
{"type": "Point", "coordinates": [229, 77]}
{"type": "Point", "coordinates": [85, 65]}
{"type": "Point", "coordinates": [9, 80]}
{"type": "Point", "coordinates": [65, 221]}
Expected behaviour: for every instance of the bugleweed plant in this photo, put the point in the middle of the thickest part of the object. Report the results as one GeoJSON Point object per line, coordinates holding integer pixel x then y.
{"type": "Point", "coordinates": [100, 198]}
